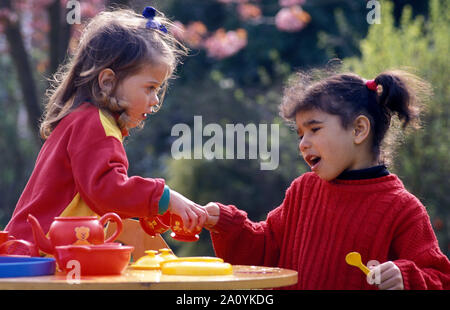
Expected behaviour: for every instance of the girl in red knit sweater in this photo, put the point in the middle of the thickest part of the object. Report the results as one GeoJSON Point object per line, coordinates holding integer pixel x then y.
{"type": "Point", "coordinates": [349, 202]}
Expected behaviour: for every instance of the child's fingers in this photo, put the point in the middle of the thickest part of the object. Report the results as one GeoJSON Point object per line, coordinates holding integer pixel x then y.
{"type": "Point", "coordinates": [212, 212]}
{"type": "Point", "coordinates": [390, 277]}
{"type": "Point", "coordinates": [197, 217]}
{"type": "Point", "coordinates": [202, 216]}
{"type": "Point", "coordinates": [185, 218]}
{"type": "Point", "coordinates": [393, 283]}
{"type": "Point", "coordinates": [212, 209]}
{"type": "Point", "coordinates": [190, 219]}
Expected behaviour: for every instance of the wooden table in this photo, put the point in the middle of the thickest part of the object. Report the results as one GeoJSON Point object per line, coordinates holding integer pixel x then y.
{"type": "Point", "coordinates": [243, 277]}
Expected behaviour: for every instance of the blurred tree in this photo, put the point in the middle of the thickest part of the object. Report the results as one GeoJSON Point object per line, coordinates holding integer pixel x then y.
{"type": "Point", "coordinates": [15, 148]}
{"type": "Point", "coordinates": [21, 60]}
{"type": "Point", "coordinates": [43, 16]}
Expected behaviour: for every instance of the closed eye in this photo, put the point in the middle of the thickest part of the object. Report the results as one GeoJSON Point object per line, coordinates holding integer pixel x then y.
{"type": "Point", "coordinates": [315, 129]}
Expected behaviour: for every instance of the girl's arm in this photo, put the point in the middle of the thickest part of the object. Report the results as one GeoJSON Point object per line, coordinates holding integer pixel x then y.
{"type": "Point", "coordinates": [421, 262]}
{"type": "Point", "coordinates": [100, 174]}
{"type": "Point", "coordinates": [238, 240]}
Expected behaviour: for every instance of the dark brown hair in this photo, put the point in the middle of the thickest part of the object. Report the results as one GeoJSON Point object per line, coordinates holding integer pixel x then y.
{"type": "Point", "coordinates": [118, 40]}
{"type": "Point", "coordinates": [347, 96]}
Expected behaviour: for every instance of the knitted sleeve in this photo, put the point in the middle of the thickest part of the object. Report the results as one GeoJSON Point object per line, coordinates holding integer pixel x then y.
{"type": "Point", "coordinates": [421, 262]}
{"type": "Point", "coordinates": [238, 240]}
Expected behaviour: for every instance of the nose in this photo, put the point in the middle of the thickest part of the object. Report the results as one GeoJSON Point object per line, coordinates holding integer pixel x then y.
{"type": "Point", "coordinates": [304, 144]}
{"type": "Point", "coordinates": [154, 99]}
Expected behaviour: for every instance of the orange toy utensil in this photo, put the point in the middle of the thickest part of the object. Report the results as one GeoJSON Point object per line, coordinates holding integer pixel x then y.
{"type": "Point", "coordinates": [354, 259]}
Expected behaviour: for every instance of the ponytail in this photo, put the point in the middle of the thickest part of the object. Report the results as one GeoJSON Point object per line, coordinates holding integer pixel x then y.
{"type": "Point", "coordinates": [402, 93]}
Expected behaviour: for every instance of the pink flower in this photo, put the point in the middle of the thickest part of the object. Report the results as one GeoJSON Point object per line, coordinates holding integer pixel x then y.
{"type": "Point", "coordinates": [178, 30]}
{"type": "Point", "coordinates": [6, 15]}
{"type": "Point", "coordinates": [194, 34]}
{"type": "Point", "coordinates": [232, 1]}
{"type": "Point", "coordinates": [224, 44]}
{"type": "Point", "coordinates": [291, 2]}
{"type": "Point", "coordinates": [249, 11]}
{"type": "Point", "coordinates": [291, 19]}
{"type": "Point", "coordinates": [90, 9]}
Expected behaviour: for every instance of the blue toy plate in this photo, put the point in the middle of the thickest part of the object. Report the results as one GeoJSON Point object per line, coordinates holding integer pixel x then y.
{"type": "Point", "coordinates": [16, 266]}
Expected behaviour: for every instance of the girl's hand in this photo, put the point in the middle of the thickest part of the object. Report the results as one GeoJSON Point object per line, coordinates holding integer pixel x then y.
{"type": "Point", "coordinates": [191, 213]}
{"type": "Point", "coordinates": [390, 276]}
{"type": "Point", "coordinates": [213, 212]}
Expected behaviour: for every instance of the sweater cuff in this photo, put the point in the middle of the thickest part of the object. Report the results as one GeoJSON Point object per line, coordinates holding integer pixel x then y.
{"type": "Point", "coordinates": [226, 220]}
{"type": "Point", "coordinates": [405, 268]}
{"type": "Point", "coordinates": [156, 197]}
{"type": "Point", "coordinates": [163, 203]}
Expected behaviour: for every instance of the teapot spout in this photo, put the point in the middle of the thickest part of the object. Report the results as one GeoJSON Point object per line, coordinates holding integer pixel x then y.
{"type": "Point", "coordinates": [42, 242]}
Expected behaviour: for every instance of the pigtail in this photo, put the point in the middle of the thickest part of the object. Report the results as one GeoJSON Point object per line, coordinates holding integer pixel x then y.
{"type": "Point", "coordinates": [404, 94]}
{"type": "Point", "coordinates": [111, 103]}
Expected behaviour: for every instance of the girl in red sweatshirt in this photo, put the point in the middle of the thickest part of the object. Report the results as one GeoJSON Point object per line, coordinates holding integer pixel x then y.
{"type": "Point", "coordinates": [113, 82]}
{"type": "Point", "coordinates": [350, 202]}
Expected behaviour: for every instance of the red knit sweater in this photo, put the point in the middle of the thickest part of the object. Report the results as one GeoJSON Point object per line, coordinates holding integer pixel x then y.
{"type": "Point", "coordinates": [319, 222]}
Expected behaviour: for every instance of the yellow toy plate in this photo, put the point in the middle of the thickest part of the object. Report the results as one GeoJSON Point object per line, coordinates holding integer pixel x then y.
{"type": "Point", "coordinates": [196, 266]}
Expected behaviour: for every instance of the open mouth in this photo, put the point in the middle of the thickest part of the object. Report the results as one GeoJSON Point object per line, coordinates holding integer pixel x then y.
{"type": "Point", "coordinates": [313, 161]}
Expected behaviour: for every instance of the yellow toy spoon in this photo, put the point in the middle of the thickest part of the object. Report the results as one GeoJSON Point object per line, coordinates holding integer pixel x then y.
{"type": "Point", "coordinates": [354, 259]}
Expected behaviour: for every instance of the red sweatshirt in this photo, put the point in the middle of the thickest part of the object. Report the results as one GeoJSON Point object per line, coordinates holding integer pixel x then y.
{"type": "Point", "coordinates": [319, 222]}
{"type": "Point", "coordinates": [81, 170]}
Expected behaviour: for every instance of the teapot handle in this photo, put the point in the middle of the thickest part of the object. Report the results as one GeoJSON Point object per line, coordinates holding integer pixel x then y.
{"type": "Point", "coordinates": [116, 219]}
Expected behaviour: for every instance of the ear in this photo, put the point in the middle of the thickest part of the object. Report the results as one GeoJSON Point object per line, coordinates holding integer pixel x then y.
{"type": "Point", "coordinates": [107, 80]}
{"type": "Point", "coordinates": [361, 129]}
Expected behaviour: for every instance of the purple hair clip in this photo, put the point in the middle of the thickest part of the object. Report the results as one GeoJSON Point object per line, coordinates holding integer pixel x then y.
{"type": "Point", "coordinates": [149, 13]}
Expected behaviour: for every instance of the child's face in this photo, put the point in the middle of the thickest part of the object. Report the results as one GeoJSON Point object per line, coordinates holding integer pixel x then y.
{"type": "Point", "coordinates": [140, 91]}
{"type": "Point", "coordinates": [325, 145]}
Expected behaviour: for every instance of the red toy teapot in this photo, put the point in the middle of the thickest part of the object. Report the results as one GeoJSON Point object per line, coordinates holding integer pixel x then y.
{"type": "Point", "coordinates": [82, 230]}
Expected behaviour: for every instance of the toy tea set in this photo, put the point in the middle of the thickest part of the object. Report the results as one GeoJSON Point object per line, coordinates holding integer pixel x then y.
{"type": "Point", "coordinates": [82, 239]}
{"type": "Point", "coordinates": [162, 223]}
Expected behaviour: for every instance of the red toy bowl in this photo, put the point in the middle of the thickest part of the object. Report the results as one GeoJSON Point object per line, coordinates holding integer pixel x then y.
{"type": "Point", "coordinates": [99, 259]}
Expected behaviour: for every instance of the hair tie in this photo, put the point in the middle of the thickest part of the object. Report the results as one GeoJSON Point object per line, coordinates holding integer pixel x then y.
{"type": "Point", "coordinates": [150, 13]}
{"type": "Point", "coordinates": [372, 85]}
